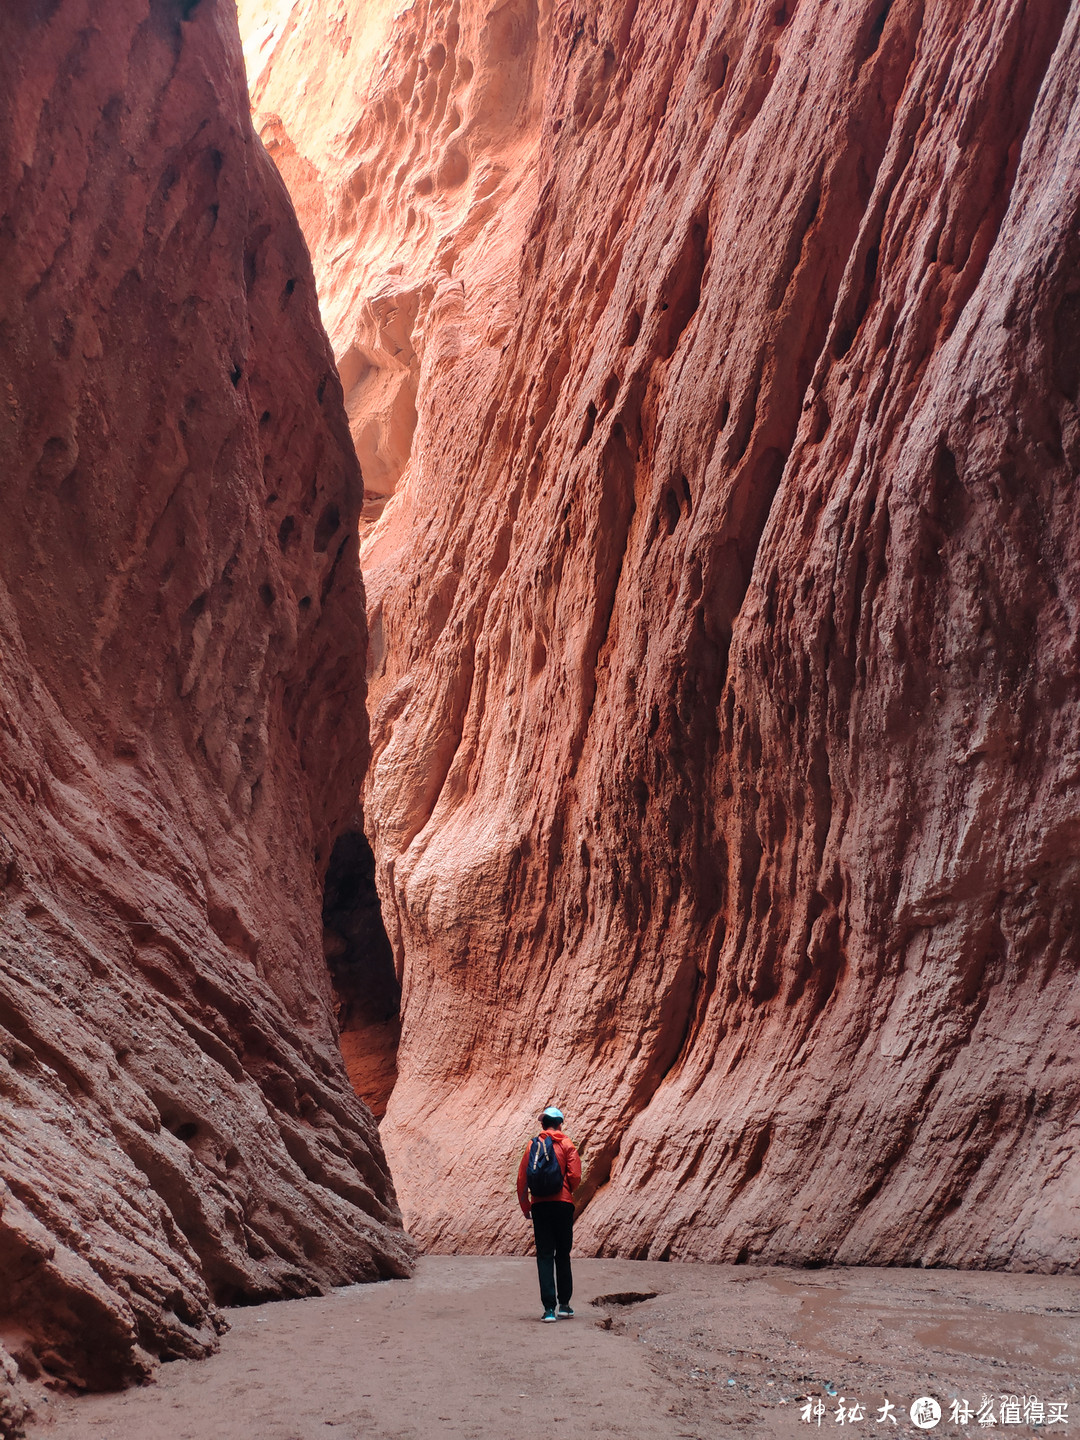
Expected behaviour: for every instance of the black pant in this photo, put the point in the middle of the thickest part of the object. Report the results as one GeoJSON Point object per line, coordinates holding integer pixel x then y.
{"type": "Point", "coordinates": [553, 1227]}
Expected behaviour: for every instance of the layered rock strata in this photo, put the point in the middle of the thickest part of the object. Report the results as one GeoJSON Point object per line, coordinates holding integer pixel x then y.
{"type": "Point", "coordinates": [724, 678]}
{"type": "Point", "coordinates": [183, 727]}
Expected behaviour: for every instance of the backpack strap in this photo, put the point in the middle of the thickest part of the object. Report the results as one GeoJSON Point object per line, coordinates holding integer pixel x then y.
{"type": "Point", "coordinates": [562, 1158]}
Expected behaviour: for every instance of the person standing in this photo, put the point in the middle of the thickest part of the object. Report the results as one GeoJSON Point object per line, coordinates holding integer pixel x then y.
{"type": "Point", "coordinates": [549, 1173]}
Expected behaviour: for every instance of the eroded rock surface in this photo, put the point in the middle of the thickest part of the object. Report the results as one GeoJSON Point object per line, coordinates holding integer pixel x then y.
{"type": "Point", "coordinates": [724, 676]}
{"type": "Point", "coordinates": [183, 730]}
{"type": "Point", "coordinates": [408, 141]}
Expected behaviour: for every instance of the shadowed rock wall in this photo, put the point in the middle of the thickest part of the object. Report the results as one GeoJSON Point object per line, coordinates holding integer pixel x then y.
{"type": "Point", "coordinates": [724, 674]}
{"type": "Point", "coordinates": [183, 726]}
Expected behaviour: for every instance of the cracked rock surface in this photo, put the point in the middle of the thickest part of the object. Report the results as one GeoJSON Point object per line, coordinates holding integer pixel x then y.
{"type": "Point", "coordinates": [183, 733]}
{"type": "Point", "coordinates": [724, 674]}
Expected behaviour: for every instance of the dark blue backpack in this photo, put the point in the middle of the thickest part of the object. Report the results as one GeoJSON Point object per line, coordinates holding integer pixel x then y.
{"type": "Point", "coordinates": [544, 1175]}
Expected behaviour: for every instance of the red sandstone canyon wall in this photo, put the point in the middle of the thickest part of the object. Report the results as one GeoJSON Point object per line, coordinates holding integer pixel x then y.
{"type": "Point", "coordinates": [183, 729]}
{"type": "Point", "coordinates": [724, 674]}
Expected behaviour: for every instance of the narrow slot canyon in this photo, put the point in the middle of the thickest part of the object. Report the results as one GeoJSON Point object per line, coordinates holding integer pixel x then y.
{"type": "Point", "coordinates": [361, 965]}
{"type": "Point", "coordinates": [539, 565]}
{"type": "Point", "coordinates": [700, 681]}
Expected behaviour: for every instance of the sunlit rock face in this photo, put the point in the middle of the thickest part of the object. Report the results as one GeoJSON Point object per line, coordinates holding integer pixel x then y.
{"type": "Point", "coordinates": [408, 137]}
{"type": "Point", "coordinates": [724, 673]}
{"type": "Point", "coordinates": [183, 728]}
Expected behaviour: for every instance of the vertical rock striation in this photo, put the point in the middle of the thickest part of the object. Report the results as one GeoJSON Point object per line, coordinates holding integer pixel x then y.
{"type": "Point", "coordinates": [183, 729]}
{"type": "Point", "coordinates": [724, 678]}
{"type": "Point", "coordinates": [408, 141]}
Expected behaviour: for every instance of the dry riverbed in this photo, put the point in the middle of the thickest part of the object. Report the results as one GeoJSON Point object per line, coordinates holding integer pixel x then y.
{"type": "Point", "coordinates": [460, 1352]}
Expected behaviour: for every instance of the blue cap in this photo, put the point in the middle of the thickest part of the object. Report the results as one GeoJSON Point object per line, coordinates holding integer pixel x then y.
{"type": "Point", "coordinates": [552, 1113]}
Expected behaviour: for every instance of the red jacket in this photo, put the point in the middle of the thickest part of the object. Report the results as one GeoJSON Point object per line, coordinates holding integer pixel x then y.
{"type": "Point", "coordinates": [569, 1161]}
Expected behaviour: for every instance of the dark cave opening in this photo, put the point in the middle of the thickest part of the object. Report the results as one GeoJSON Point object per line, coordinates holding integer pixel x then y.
{"type": "Point", "coordinates": [361, 964]}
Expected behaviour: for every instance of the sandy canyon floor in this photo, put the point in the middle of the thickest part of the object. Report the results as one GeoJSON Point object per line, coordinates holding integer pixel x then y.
{"type": "Point", "coordinates": [460, 1351]}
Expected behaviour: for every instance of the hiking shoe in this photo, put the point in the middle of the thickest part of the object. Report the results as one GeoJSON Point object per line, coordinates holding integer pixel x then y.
{"type": "Point", "coordinates": [565, 1313]}
{"type": "Point", "coordinates": [550, 1315]}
